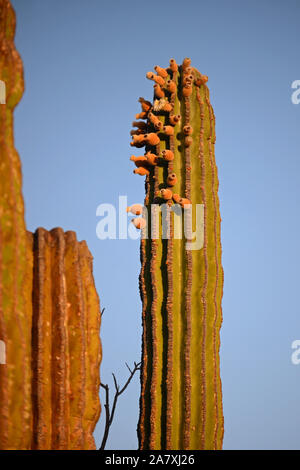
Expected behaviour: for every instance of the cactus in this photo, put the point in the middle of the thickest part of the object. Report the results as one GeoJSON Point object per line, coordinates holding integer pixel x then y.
{"type": "Point", "coordinates": [66, 350]}
{"type": "Point", "coordinates": [15, 270]}
{"type": "Point", "coordinates": [49, 308]}
{"type": "Point", "coordinates": [181, 289]}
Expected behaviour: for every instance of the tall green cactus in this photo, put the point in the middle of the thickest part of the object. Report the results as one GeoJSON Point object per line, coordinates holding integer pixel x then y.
{"type": "Point", "coordinates": [181, 289]}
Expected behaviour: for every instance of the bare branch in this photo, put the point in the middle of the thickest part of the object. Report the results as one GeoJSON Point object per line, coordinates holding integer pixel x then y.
{"type": "Point", "coordinates": [109, 415]}
{"type": "Point", "coordinates": [106, 406]}
{"type": "Point", "coordinates": [136, 367]}
{"type": "Point", "coordinates": [116, 384]}
{"type": "Point", "coordinates": [102, 311]}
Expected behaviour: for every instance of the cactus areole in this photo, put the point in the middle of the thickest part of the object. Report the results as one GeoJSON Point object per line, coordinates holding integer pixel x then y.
{"type": "Point", "coordinates": [181, 288]}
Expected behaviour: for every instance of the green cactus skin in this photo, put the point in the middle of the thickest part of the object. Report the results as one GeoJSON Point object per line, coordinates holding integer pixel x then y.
{"type": "Point", "coordinates": [181, 290]}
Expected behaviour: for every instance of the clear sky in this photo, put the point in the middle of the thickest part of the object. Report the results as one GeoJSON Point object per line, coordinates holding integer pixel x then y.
{"type": "Point", "coordinates": [85, 64]}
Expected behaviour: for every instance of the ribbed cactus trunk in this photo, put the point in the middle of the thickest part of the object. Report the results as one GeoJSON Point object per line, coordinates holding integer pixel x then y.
{"type": "Point", "coordinates": [49, 307]}
{"type": "Point", "coordinates": [181, 289]}
{"type": "Point", "coordinates": [66, 350]}
{"type": "Point", "coordinates": [15, 269]}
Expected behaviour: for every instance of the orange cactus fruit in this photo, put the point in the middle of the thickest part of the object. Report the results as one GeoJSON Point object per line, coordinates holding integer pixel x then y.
{"type": "Point", "coordinates": [189, 71]}
{"type": "Point", "coordinates": [139, 223]}
{"type": "Point", "coordinates": [188, 79]}
{"type": "Point", "coordinates": [137, 132]}
{"type": "Point", "coordinates": [166, 194]}
{"type": "Point", "coordinates": [187, 90]}
{"type": "Point", "coordinates": [141, 163]}
{"type": "Point", "coordinates": [181, 200]}
{"type": "Point", "coordinates": [167, 107]}
{"type": "Point", "coordinates": [176, 198]}
{"type": "Point", "coordinates": [161, 71]}
{"type": "Point", "coordinates": [171, 86]}
{"type": "Point", "coordinates": [167, 155]}
{"type": "Point", "coordinates": [155, 78]}
{"type": "Point", "coordinates": [136, 209]}
{"type": "Point", "coordinates": [158, 126]}
{"type": "Point", "coordinates": [139, 124]}
{"type": "Point", "coordinates": [158, 91]}
{"type": "Point", "coordinates": [168, 130]}
{"type": "Point", "coordinates": [138, 145]}
{"type": "Point", "coordinates": [140, 158]}
{"type": "Point", "coordinates": [184, 201]}
{"type": "Point", "coordinates": [151, 158]}
{"type": "Point", "coordinates": [153, 119]}
{"type": "Point", "coordinates": [138, 139]}
{"type": "Point", "coordinates": [186, 63]}
{"type": "Point", "coordinates": [142, 171]}
{"type": "Point", "coordinates": [173, 65]}
{"type": "Point", "coordinates": [174, 119]}
{"type": "Point", "coordinates": [201, 80]}
{"type": "Point", "coordinates": [142, 115]}
{"type": "Point", "coordinates": [187, 130]}
{"type": "Point", "coordinates": [146, 105]}
{"type": "Point", "coordinates": [151, 139]}
{"type": "Point", "coordinates": [172, 179]}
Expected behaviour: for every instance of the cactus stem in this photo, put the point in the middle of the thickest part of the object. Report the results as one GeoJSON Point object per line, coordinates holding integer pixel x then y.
{"type": "Point", "coordinates": [181, 289]}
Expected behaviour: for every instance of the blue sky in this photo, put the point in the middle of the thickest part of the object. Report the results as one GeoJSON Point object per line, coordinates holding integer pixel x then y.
{"type": "Point", "coordinates": [85, 66]}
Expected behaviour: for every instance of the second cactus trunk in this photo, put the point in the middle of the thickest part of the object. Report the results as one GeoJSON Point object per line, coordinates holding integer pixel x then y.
{"type": "Point", "coordinates": [181, 280]}
{"type": "Point", "coordinates": [49, 309]}
{"type": "Point", "coordinates": [66, 350]}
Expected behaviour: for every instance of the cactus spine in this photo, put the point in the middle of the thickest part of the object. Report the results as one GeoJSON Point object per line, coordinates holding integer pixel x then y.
{"type": "Point", "coordinates": [49, 308]}
{"type": "Point", "coordinates": [181, 289]}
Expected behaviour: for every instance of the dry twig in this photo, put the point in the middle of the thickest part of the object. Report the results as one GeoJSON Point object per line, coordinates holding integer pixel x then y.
{"type": "Point", "coordinates": [109, 414]}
